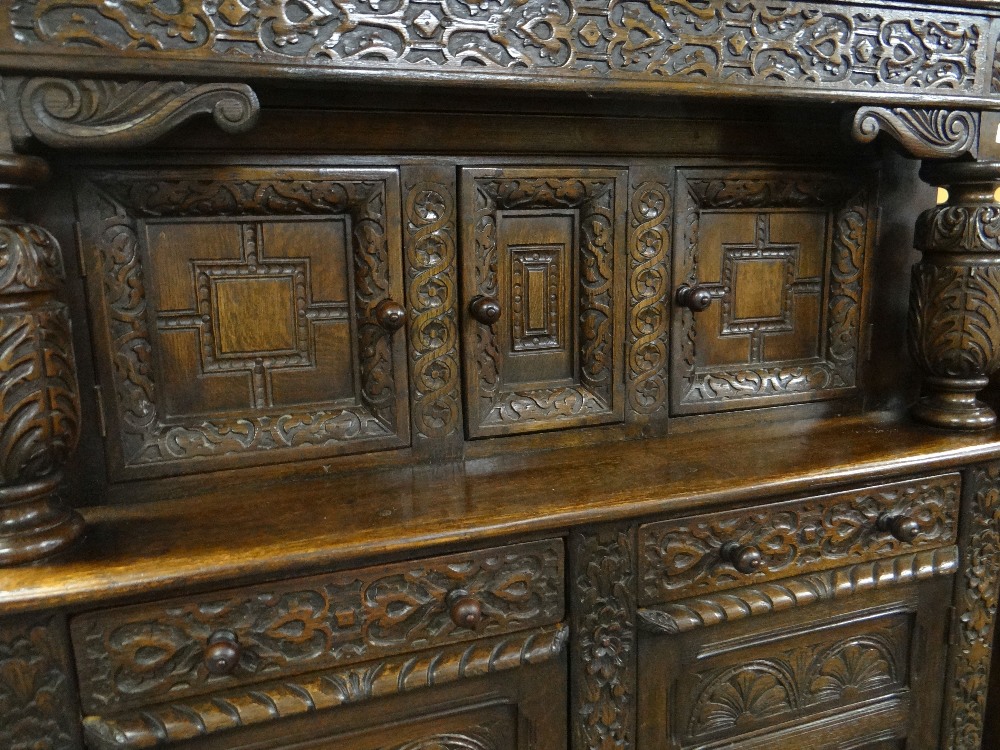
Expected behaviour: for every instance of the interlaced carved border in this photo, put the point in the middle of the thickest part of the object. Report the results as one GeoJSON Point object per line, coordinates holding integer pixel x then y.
{"type": "Point", "coordinates": [149, 445]}
{"type": "Point", "coordinates": [779, 45]}
{"type": "Point", "coordinates": [184, 720]}
{"type": "Point", "coordinates": [973, 624]}
{"type": "Point", "coordinates": [596, 398]}
{"type": "Point", "coordinates": [834, 372]}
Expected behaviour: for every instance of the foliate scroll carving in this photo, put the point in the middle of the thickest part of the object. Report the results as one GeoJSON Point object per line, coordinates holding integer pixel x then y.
{"type": "Point", "coordinates": [923, 133]}
{"type": "Point", "coordinates": [153, 653]}
{"type": "Point", "coordinates": [799, 591]}
{"type": "Point", "coordinates": [39, 398]}
{"type": "Point", "coordinates": [118, 207]}
{"type": "Point", "coordinates": [813, 47]}
{"type": "Point", "coordinates": [36, 692]}
{"type": "Point", "coordinates": [974, 620]}
{"type": "Point", "coordinates": [650, 208]}
{"type": "Point", "coordinates": [429, 212]}
{"type": "Point", "coordinates": [317, 691]}
{"type": "Point", "coordinates": [954, 328]}
{"type": "Point", "coordinates": [126, 114]}
{"type": "Point", "coordinates": [602, 659]}
{"type": "Point", "coordinates": [742, 350]}
{"type": "Point", "coordinates": [476, 739]}
{"type": "Point", "coordinates": [684, 558]}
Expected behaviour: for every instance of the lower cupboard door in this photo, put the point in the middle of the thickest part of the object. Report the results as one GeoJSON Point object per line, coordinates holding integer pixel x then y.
{"type": "Point", "coordinates": [861, 673]}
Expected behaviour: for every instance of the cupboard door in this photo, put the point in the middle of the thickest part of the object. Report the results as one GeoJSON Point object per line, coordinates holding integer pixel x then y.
{"type": "Point", "coordinates": [245, 315]}
{"type": "Point", "coordinates": [769, 282]}
{"type": "Point", "coordinates": [542, 289]}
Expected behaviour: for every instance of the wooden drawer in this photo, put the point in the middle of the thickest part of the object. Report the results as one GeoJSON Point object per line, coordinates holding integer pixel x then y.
{"type": "Point", "coordinates": [162, 651]}
{"type": "Point", "coordinates": [710, 553]}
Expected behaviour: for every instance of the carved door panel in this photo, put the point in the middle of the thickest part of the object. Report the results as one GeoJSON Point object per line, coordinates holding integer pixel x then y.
{"type": "Point", "coordinates": [863, 673]}
{"type": "Point", "coordinates": [542, 285]}
{"type": "Point", "coordinates": [769, 275]}
{"type": "Point", "coordinates": [245, 316]}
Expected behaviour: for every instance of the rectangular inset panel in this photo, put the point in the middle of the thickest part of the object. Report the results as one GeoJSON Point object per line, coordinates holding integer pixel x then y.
{"type": "Point", "coordinates": [545, 248]}
{"type": "Point", "coordinates": [781, 257]}
{"type": "Point", "coordinates": [247, 308]}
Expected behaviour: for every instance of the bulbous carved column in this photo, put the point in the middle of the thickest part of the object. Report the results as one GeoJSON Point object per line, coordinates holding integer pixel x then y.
{"type": "Point", "coordinates": [955, 297]}
{"type": "Point", "coordinates": [39, 398]}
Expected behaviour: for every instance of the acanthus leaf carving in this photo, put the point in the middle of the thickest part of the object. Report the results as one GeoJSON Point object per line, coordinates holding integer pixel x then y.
{"type": "Point", "coordinates": [88, 113]}
{"type": "Point", "coordinates": [923, 133]}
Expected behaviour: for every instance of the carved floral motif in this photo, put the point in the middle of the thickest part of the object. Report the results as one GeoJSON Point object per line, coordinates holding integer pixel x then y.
{"type": "Point", "coordinates": [818, 46]}
{"type": "Point", "coordinates": [152, 653]}
{"type": "Point", "coordinates": [683, 558]}
{"type": "Point", "coordinates": [429, 211]}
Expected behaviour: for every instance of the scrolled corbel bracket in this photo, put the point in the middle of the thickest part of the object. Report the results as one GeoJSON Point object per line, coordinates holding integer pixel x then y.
{"type": "Point", "coordinates": [922, 133]}
{"type": "Point", "coordinates": [102, 114]}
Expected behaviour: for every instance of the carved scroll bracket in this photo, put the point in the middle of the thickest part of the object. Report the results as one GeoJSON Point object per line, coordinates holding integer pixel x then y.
{"type": "Point", "coordinates": [955, 296]}
{"type": "Point", "coordinates": [121, 114]}
{"type": "Point", "coordinates": [922, 133]}
{"type": "Point", "coordinates": [39, 398]}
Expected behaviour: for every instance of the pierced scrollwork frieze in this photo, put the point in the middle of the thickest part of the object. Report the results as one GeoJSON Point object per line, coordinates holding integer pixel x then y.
{"type": "Point", "coordinates": [923, 133]}
{"type": "Point", "coordinates": [89, 113]}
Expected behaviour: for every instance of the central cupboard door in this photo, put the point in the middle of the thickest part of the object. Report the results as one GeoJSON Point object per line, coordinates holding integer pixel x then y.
{"type": "Point", "coordinates": [543, 297]}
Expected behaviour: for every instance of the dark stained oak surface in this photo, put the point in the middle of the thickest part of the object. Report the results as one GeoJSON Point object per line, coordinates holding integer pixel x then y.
{"type": "Point", "coordinates": [243, 533]}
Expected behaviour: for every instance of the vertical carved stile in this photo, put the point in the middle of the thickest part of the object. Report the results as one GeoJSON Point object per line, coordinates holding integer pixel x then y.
{"type": "Point", "coordinates": [955, 296]}
{"type": "Point", "coordinates": [603, 653]}
{"type": "Point", "coordinates": [39, 398]}
{"type": "Point", "coordinates": [975, 612]}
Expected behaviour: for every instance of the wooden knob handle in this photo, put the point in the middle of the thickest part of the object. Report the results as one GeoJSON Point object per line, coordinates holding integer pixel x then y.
{"type": "Point", "coordinates": [466, 611]}
{"type": "Point", "coordinates": [901, 526]}
{"type": "Point", "coordinates": [745, 558]}
{"type": "Point", "coordinates": [485, 309]}
{"type": "Point", "coordinates": [223, 652]}
{"type": "Point", "coordinates": [390, 315]}
{"type": "Point", "coordinates": [694, 298]}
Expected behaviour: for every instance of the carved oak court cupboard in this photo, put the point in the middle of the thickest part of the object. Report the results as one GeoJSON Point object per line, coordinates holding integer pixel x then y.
{"type": "Point", "coordinates": [498, 374]}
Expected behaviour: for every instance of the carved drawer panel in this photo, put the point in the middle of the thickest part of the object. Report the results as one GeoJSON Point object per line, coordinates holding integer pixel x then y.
{"type": "Point", "coordinates": [245, 315]}
{"type": "Point", "coordinates": [704, 554]}
{"type": "Point", "coordinates": [163, 651]}
{"type": "Point", "coordinates": [769, 270]}
{"type": "Point", "coordinates": [542, 270]}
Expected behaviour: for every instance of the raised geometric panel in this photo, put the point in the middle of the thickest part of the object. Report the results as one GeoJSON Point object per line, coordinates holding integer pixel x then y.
{"type": "Point", "coordinates": [544, 246]}
{"type": "Point", "coordinates": [781, 259]}
{"type": "Point", "coordinates": [241, 314]}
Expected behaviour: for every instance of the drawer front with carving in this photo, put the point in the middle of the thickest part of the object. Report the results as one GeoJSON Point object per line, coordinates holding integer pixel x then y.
{"type": "Point", "coordinates": [245, 315]}
{"type": "Point", "coordinates": [816, 678]}
{"type": "Point", "coordinates": [148, 653]}
{"type": "Point", "coordinates": [710, 553]}
{"type": "Point", "coordinates": [542, 272]}
{"type": "Point", "coordinates": [769, 270]}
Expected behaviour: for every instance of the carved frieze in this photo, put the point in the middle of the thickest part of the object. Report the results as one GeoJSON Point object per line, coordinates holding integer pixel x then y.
{"type": "Point", "coordinates": [151, 653]}
{"type": "Point", "coordinates": [89, 113]}
{"type": "Point", "coordinates": [686, 558]}
{"type": "Point", "coordinates": [603, 653]}
{"type": "Point", "coordinates": [783, 276]}
{"type": "Point", "coordinates": [199, 717]}
{"type": "Point", "coordinates": [805, 47]}
{"type": "Point", "coordinates": [316, 320]}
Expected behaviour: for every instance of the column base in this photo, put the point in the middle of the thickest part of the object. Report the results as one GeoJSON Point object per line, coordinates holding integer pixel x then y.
{"type": "Point", "coordinates": [952, 405]}
{"type": "Point", "coordinates": [34, 523]}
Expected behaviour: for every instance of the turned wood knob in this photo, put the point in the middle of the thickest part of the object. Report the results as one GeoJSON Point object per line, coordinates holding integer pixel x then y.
{"type": "Point", "coordinates": [694, 298]}
{"type": "Point", "coordinates": [223, 652]}
{"type": "Point", "coordinates": [904, 528]}
{"type": "Point", "coordinates": [390, 315]}
{"type": "Point", "coordinates": [745, 558]}
{"type": "Point", "coordinates": [485, 309]}
{"type": "Point", "coordinates": [465, 611]}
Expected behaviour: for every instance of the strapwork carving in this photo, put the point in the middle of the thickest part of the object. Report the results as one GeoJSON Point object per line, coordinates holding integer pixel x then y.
{"type": "Point", "coordinates": [39, 398]}
{"type": "Point", "coordinates": [89, 113]}
{"type": "Point", "coordinates": [923, 133]}
{"type": "Point", "coordinates": [954, 326]}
